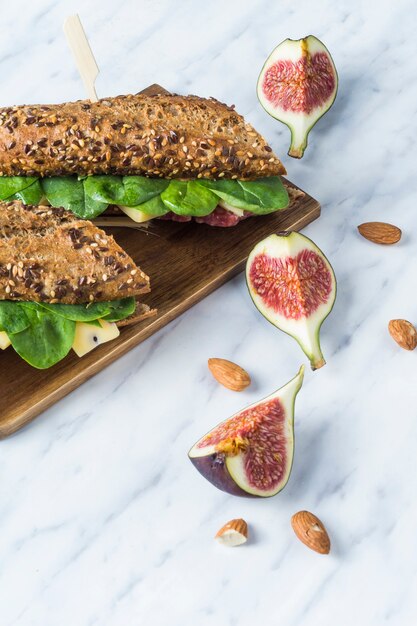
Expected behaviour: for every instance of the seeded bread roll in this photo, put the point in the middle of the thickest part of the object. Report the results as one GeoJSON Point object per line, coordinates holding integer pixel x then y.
{"type": "Point", "coordinates": [161, 135]}
{"type": "Point", "coordinates": [50, 255]}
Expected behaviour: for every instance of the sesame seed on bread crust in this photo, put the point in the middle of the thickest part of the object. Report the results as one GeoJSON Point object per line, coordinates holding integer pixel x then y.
{"type": "Point", "coordinates": [162, 135]}
{"type": "Point", "coordinates": [50, 255]}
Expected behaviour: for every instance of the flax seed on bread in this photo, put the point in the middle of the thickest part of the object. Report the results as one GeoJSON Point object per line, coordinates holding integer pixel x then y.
{"type": "Point", "coordinates": [50, 255]}
{"type": "Point", "coordinates": [161, 135]}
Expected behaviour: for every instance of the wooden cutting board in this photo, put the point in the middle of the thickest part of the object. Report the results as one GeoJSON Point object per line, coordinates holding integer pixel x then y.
{"type": "Point", "coordinates": [186, 262]}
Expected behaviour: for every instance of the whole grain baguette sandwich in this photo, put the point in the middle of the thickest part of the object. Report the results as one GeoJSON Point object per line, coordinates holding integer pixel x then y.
{"type": "Point", "coordinates": [151, 156]}
{"type": "Point", "coordinates": [64, 283]}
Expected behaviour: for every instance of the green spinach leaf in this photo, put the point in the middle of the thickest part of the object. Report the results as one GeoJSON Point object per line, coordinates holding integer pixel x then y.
{"type": "Point", "coordinates": [121, 309]}
{"type": "Point", "coordinates": [261, 196]}
{"type": "Point", "coordinates": [154, 207]}
{"type": "Point", "coordinates": [265, 195]}
{"type": "Point", "coordinates": [47, 339]}
{"type": "Point", "coordinates": [105, 189]}
{"type": "Point", "coordinates": [10, 185]}
{"type": "Point", "coordinates": [78, 312]}
{"type": "Point", "coordinates": [127, 190]}
{"type": "Point", "coordinates": [227, 190]}
{"type": "Point", "coordinates": [13, 318]}
{"type": "Point", "coordinates": [68, 192]}
{"type": "Point", "coordinates": [111, 311]}
{"type": "Point", "coordinates": [189, 198]}
{"type": "Point", "coordinates": [139, 189]}
{"type": "Point", "coordinates": [30, 195]}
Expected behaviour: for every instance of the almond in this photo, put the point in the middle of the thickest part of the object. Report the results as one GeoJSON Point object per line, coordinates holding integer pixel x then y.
{"type": "Point", "coordinates": [229, 374]}
{"type": "Point", "coordinates": [234, 533]}
{"type": "Point", "coordinates": [380, 232]}
{"type": "Point", "coordinates": [403, 333]}
{"type": "Point", "coordinates": [310, 530]}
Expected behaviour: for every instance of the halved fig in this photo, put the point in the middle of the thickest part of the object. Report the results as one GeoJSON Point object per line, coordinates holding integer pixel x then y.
{"type": "Point", "coordinates": [251, 453]}
{"type": "Point", "coordinates": [297, 85]}
{"type": "Point", "coordinates": [293, 285]}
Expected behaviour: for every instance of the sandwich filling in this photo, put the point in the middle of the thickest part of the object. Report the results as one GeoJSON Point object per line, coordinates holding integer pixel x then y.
{"type": "Point", "coordinates": [143, 198]}
{"type": "Point", "coordinates": [43, 334]}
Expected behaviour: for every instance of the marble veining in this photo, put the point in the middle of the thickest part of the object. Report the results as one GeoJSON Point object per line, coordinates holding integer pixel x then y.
{"type": "Point", "coordinates": [104, 522]}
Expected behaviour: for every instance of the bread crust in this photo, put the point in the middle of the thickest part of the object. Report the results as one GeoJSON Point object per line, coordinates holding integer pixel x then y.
{"type": "Point", "coordinates": [50, 255]}
{"type": "Point", "coordinates": [142, 312]}
{"type": "Point", "coordinates": [163, 135]}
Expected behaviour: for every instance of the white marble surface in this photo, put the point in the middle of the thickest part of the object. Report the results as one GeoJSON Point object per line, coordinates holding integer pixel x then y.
{"type": "Point", "coordinates": [103, 519]}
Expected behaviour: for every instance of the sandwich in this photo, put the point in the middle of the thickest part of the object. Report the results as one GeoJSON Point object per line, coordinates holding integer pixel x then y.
{"type": "Point", "coordinates": [64, 284]}
{"type": "Point", "coordinates": [151, 156]}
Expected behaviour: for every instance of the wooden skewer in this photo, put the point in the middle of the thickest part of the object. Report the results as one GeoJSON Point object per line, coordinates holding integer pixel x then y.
{"type": "Point", "coordinates": [88, 69]}
{"type": "Point", "coordinates": [84, 58]}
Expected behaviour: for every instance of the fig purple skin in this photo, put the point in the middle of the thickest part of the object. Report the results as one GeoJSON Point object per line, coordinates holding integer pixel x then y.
{"type": "Point", "coordinates": [214, 468]}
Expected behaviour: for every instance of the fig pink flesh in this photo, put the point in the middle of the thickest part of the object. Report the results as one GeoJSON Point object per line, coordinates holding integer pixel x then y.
{"type": "Point", "coordinates": [261, 439]}
{"type": "Point", "coordinates": [300, 86]}
{"type": "Point", "coordinates": [294, 287]}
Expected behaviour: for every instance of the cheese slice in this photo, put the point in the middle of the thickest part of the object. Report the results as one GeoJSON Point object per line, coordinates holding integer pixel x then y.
{"type": "Point", "coordinates": [232, 209]}
{"type": "Point", "coordinates": [4, 340]}
{"type": "Point", "coordinates": [89, 336]}
{"type": "Point", "coordinates": [136, 214]}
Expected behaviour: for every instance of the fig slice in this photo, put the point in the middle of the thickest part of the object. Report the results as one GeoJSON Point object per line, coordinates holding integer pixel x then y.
{"type": "Point", "coordinates": [297, 85]}
{"type": "Point", "coordinates": [251, 453]}
{"type": "Point", "coordinates": [293, 285]}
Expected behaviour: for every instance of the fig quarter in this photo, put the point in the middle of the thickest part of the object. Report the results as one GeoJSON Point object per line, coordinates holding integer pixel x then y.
{"type": "Point", "coordinates": [251, 453]}
{"type": "Point", "coordinates": [311, 531]}
{"type": "Point", "coordinates": [404, 333]}
{"type": "Point", "coordinates": [380, 232]}
{"type": "Point", "coordinates": [229, 374]}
